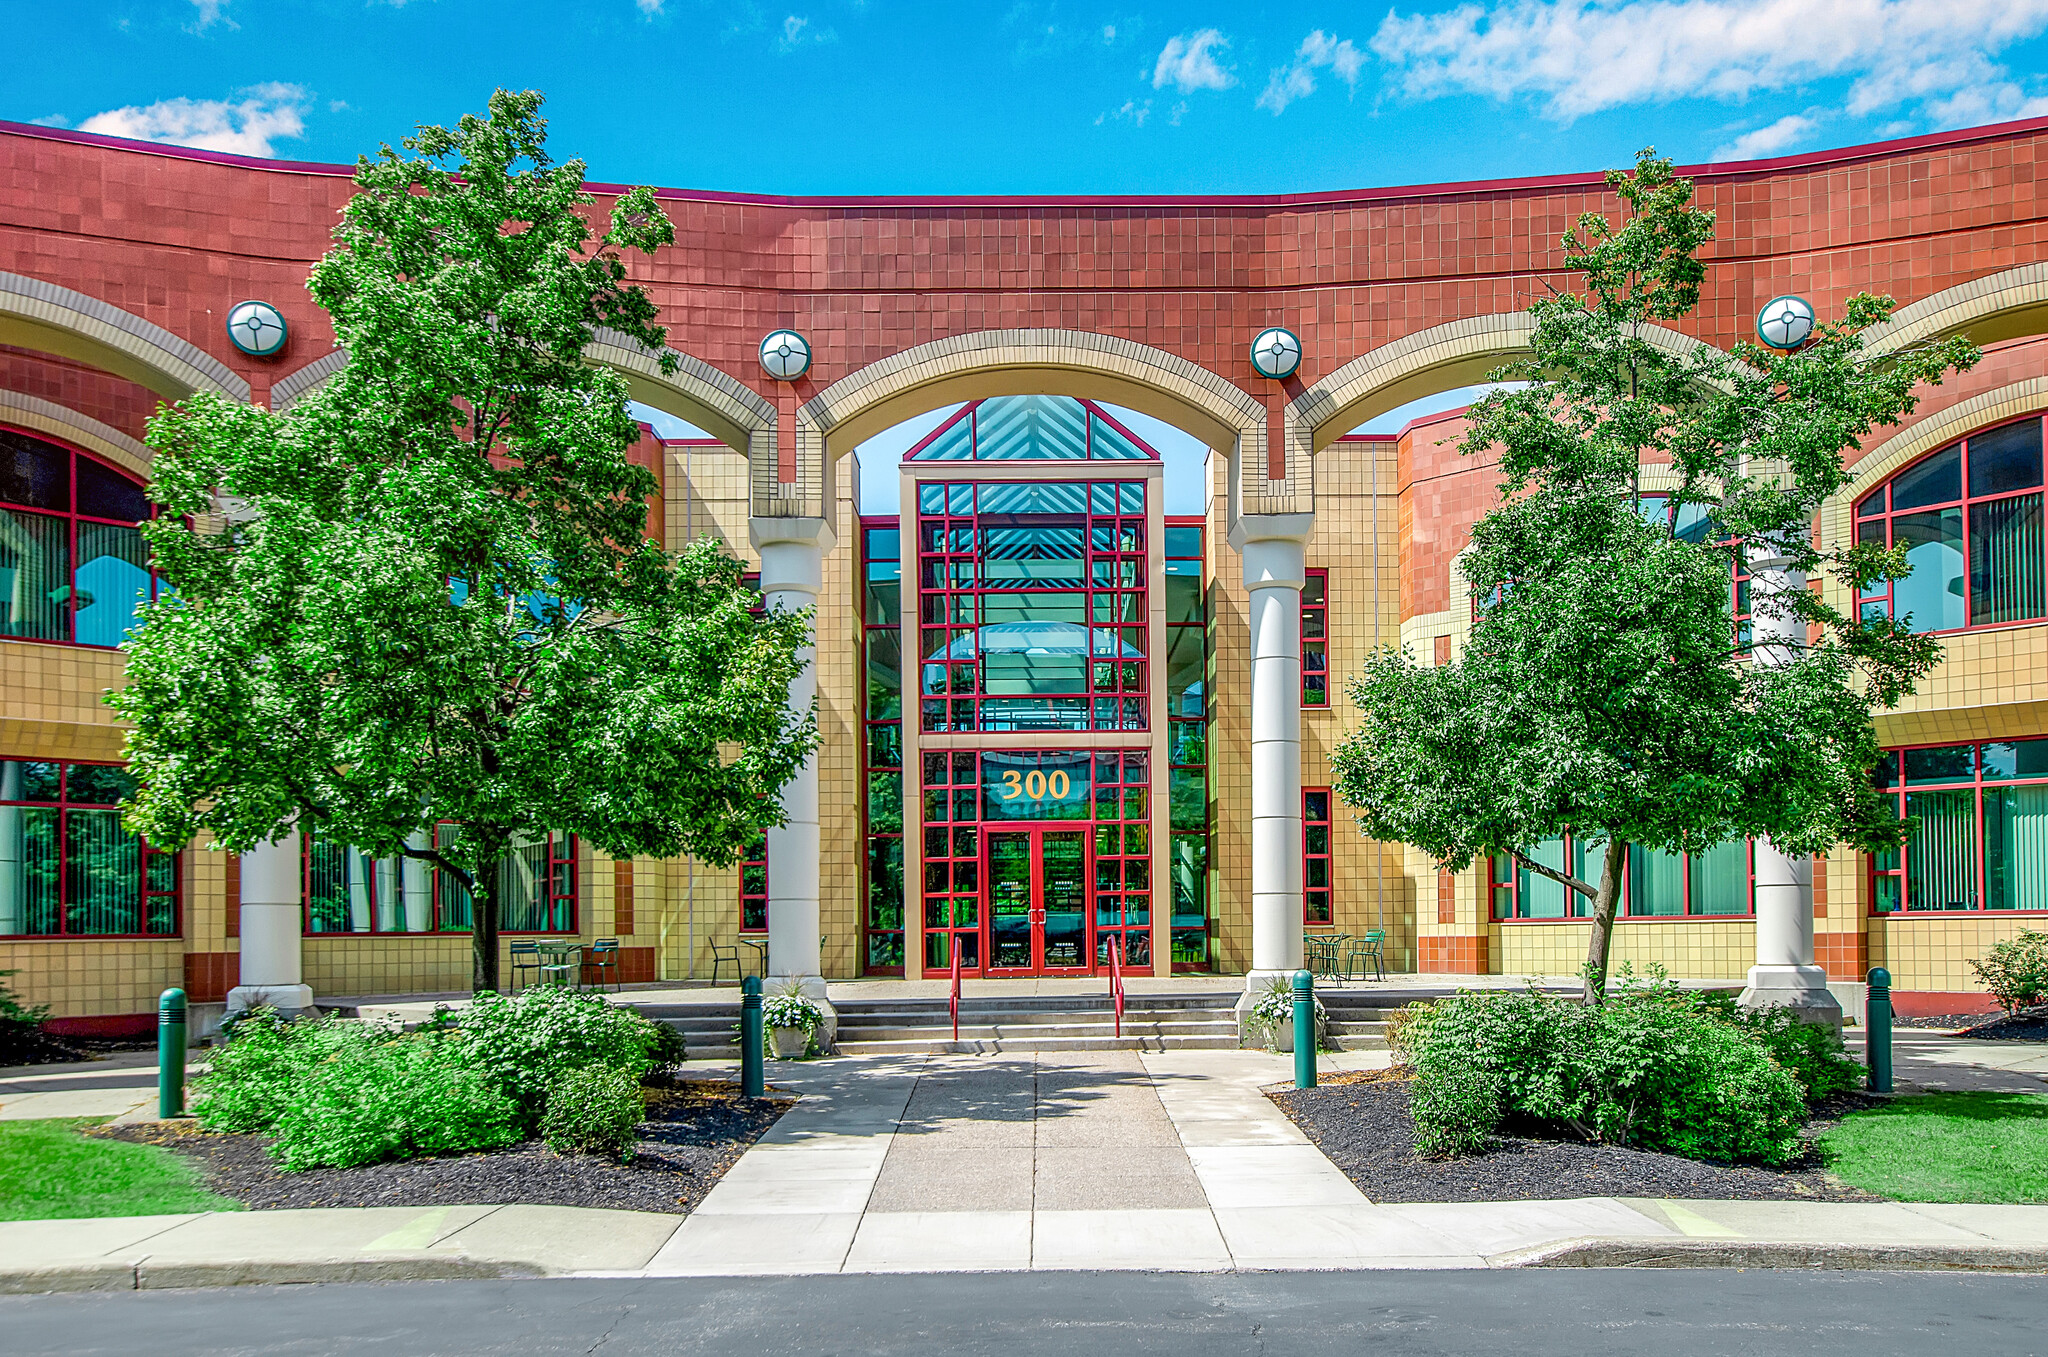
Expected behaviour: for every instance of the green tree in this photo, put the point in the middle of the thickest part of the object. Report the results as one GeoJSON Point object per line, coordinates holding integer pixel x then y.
{"type": "Point", "coordinates": [430, 600]}
{"type": "Point", "coordinates": [1605, 692]}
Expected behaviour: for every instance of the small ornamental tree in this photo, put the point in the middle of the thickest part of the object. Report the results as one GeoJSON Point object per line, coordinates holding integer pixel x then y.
{"type": "Point", "coordinates": [429, 621]}
{"type": "Point", "coordinates": [1605, 691]}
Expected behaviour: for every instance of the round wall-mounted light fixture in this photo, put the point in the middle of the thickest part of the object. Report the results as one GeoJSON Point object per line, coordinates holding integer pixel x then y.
{"type": "Point", "coordinates": [1785, 322]}
{"type": "Point", "coordinates": [256, 328]}
{"type": "Point", "coordinates": [1276, 353]}
{"type": "Point", "coordinates": [786, 355]}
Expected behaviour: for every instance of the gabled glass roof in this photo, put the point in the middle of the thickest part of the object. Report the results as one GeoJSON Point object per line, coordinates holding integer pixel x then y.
{"type": "Point", "coordinates": [1031, 428]}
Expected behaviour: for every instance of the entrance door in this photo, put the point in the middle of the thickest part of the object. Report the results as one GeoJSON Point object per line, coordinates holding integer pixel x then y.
{"type": "Point", "coordinates": [1037, 901]}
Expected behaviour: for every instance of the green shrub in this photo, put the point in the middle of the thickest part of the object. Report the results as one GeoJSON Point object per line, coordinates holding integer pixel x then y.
{"type": "Point", "coordinates": [1654, 1066]}
{"type": "Point", "coordinates": [524, 1044]}
{"type": "Point", "coordinates": [1811, 1052]}
{"type": "Point", "coordinates": [252, 1077]}
{"type": "Point", "coordinates": [22, 1038]}
{"type": "Point", "coordinates": [668, 1047]}
{"type": "Point", "coordinates": [2016, 970]}
{"type": "Point", "coordinates": [375, 1096]}
{"type": "Point", "coordinates": [594, 1110]}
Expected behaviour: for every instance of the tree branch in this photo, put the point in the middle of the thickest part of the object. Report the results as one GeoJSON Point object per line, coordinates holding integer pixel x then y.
{"type": "Point", "coordinates": [1560, 878]}
{"type": "Point", "coordinates": [441, 860]}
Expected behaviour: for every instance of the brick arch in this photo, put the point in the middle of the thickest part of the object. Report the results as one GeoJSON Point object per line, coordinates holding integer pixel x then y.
{"type": "Point", "coordinates": [61, 422]}
{"type": "Point", "coordinates": [1015, 363]}
{"type": "Point", "coordinates": [56, 320]}
{"type": "Point", "coordinates": [1441, 358]}
{"type": "Point", "coordinates": [2010, 304]}
{"type": "Point", "coordinates": [696, 392]}
{"type": "Point", "coordinates": [1908, 445]}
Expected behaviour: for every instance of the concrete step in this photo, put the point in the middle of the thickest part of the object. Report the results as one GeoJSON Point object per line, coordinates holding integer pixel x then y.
{"type": "Point", "coordinates": [1034, 1031]}
{"type": "Point", "coordinates": [944, 1045]}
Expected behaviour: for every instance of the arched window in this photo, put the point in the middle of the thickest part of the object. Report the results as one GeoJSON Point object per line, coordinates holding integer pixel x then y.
{"type": "Point", "coordinates": [72, 564]}
{"type": "Point", "coordinates": [1969, 517]}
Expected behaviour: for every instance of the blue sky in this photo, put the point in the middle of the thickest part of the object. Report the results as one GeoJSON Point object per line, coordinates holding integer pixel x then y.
{"type": "Point", "coordinates": [1041, 96]}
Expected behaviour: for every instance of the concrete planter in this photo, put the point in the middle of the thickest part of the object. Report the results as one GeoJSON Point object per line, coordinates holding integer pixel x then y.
{"type": "Point", "coordinates": [1280, 1037]}
{"type": "Point", "coordinates": [789, 1042]}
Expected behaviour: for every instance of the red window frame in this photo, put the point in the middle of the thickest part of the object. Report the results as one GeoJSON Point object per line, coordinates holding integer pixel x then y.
{"type": "Point", "coordinates": [1875, 519]}
{"type": "Point", "coordinates": [168, 862]}
{"type": "Point", "coordinates": [950, 597]}
{"type": "Point", "coordinates": [754, 887]}
{"type": "Point", "coordinates": [1895, 867]}
{"type": "Point", "coordinates": [1504, 890]}
{"type": "Point", "coordinates": [1318, 868]}
{"type": "Point", "coordinates": [1315, 637]}
{"type": "Point", "coordinates": [882, 915]}
{"type": "Point", "coordinates": [72, 518]}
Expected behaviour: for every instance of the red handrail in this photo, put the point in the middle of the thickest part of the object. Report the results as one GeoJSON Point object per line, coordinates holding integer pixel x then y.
{"type": "Point", "coordinates": [1116, 980]}
{"type": "Point", "coordinates": [955, 1003]}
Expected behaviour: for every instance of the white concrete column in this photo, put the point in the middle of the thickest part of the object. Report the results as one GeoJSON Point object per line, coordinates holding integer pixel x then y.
{"type": "Point", "coordinates": [1784, 974]}
{"type": "Point", "coordinates": [1274, 568]}
{"type": "Point", "coordinates": [792, 576]}
{"type": "Point", "coordinates": [271, 973]}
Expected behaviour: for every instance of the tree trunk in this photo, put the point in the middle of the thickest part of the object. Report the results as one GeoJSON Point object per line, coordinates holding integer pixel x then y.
{"type": "Point", "coordinates": [1604, 905]}
{"type": "Point", "coordinates": [483, 912]}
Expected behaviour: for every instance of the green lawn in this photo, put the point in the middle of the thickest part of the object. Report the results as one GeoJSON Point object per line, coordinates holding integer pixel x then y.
{"type": "Point", "coordinates": [1947, 1147]}
{"type": "Point", "coordinates": [48, 1171]}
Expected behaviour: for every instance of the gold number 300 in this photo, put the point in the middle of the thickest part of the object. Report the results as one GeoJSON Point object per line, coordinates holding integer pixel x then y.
{"type": "Point", "coordinates": [1036, 785]}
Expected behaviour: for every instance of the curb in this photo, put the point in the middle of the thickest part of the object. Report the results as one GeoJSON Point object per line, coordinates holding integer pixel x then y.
{"type": "Point", "coordinates": [1765, 1253]}
{"type": "Point", "coordinates": [149, 1275]}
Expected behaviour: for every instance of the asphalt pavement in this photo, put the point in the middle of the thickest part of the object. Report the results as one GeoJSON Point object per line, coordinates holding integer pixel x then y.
{"type": "Point", "coordinates": [1574, 1313]}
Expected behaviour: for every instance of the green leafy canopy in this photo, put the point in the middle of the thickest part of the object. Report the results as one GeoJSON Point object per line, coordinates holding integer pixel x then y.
{"type": "Point", "coordinates": [1605, 691]}
{"type": "Point", "coordinates": [425, 593]}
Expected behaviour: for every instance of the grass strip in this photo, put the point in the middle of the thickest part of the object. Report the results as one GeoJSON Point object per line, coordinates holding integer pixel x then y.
{"type": "Point", "coordinates": [48, 1171]}
{"type": "Point", "coordinates": [1946, 1147]}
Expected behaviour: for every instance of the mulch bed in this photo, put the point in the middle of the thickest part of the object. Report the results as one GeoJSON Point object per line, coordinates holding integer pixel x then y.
{"type": "Point", "coordinates": [694, 1132]}
{"type": "Point", "coordinates": [2029, 1026]}
{"type": "Point", "coordinates": [1363, 1125]}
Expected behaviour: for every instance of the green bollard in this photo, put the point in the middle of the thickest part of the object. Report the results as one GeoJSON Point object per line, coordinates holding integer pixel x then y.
{"type": "Point", "coordinates": [1877, 1030]}
{"type": "Point", "coordinates": [1304, 1030]}
{"type": "Point", "coordinates": [170, 1054]}
{"type": "Point", "coordinates": [751, 1085]}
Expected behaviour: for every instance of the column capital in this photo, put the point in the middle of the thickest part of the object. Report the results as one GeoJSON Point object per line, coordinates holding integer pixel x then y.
{"type": "Point", "coordinates": [792, 553]}
{"type": "Point", "coordinates": [1273, 547]}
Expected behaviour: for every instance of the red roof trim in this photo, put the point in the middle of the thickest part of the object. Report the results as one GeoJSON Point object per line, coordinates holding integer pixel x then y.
{"type": "Point", "coordinates": [1329, 198]}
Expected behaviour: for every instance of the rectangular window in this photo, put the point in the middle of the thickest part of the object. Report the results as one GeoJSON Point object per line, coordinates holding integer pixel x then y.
{"type": "Point", "coordinates": [349, 892]}
{"type": "Point", "coordinates": [67, 866]}
{"type": "Point", "coordinates": [1655, 885]}
{"type": "Point", "coordinates": [882, 715]}
{"type": "Point", "coordinates": [1317, 885]}
{"type": "Point", "coordinates": [73, 565]}
{"type": "Point", "coordinates": [1187, 668]}
{"type": "Point", "coordinates": [1315, 639]}
{"type": "Point", "coordinates": [1979, 842]}
{"type": "Point", "coordinates": [754, 887]}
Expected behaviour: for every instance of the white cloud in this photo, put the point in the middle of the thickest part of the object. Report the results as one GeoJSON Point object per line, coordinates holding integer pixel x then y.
{"type": "Point", "coordinates": [1189, 63]}
{"type": "Point", "coordinates": [1786, 132]}
{"type": "Point", "coordinates": [54, 120]}
{"type": "Point", "coordinates": [797, 31]}
{"type": "Point", "coordinates": [1108, 33]}
{"type": "Point", "coordinates": [1296, 80]}
{"type": "Point", "coordinates": [1581, 56]}
{"type": "Point", "coordinates": [248, 126]}
{"type": "Point", "coordinates": [210, 13]}
{"type": "Point", "coordinates": [650, 8]}
{"type": "Point", "coordinates": [1133, 112]}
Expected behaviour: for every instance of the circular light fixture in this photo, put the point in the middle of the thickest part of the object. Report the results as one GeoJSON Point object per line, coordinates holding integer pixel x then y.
{"type": "Point", "coordinates": [256, 328]}
{"type": "Point", "coordinates": [1276, 353]}
{"type": "Point", "coordinates": [1785, 322]}
{"type": "Point", "coordinates": [786, 355]}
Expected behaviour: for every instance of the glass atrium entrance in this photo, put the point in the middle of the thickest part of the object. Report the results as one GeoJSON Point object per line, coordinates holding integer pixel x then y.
{"type": "Point", "coordinates": [1033, 744]}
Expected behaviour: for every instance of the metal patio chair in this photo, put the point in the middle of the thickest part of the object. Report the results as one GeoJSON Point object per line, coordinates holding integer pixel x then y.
{"type": "Point", "coordinates": [525, 957]}
{"type": "Point", "coordinates": [603, 956]}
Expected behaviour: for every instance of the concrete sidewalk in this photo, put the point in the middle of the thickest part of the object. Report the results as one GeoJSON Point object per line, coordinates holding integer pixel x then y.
{"type": "Point", "coordinates": [1155, 1162]}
